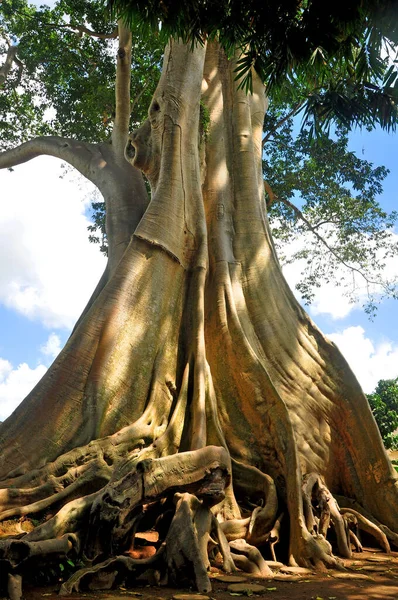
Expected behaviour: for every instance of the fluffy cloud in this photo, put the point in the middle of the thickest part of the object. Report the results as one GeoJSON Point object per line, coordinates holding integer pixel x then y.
{"type": "Point", "coordinates": [52, 347]}
{"type": "Point", "coordinates": [370, 362]}
{"type": "Point", "coordinates": [15, 384]}
{"type": "Point", "coordinates": [51, 268]}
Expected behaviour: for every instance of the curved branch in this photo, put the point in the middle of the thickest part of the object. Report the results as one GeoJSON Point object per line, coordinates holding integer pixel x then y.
{"type": "Point", "coordinates": [78, 154]}
{"type": "Point", "coordinates": [295, 110]}
{"type": "Point", "coordinates": [82, 29]}
{"type": "Point", "coordinates": [78, 28]}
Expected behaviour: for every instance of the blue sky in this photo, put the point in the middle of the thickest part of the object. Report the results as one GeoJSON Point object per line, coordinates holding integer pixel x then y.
{"type": "Point", "coordinates": [48, 270]}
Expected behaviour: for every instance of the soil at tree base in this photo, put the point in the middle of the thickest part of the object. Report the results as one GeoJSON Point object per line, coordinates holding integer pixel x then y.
{"type": "Point", "coordinates": [370, 575]}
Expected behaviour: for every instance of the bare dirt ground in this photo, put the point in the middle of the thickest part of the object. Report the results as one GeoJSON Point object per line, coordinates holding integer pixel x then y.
{"type": "Point", "coordinates": [370, 575]}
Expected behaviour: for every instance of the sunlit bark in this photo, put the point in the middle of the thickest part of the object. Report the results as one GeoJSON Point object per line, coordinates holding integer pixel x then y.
{"type": "Point", "coordinates": [195, 395]}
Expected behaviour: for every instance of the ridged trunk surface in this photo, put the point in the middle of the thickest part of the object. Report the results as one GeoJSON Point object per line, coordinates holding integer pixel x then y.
{"type": "Point", "coordinates": [196, 361]}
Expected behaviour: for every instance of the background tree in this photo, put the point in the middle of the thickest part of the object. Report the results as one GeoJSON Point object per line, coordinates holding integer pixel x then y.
{"type": "Point", "coordinates": [324, 213]}
{"type": "Point", "coordinates": [195, 397]}
{"type": "Point", "coordinates": [384, 405]}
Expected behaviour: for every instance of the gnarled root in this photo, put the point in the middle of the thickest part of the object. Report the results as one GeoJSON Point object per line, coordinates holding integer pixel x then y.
{"type": "Point", "coordinates": [179, 500]}
{"type": "Point", "coordinates": [186, 543]}
{"type": "Point", "coordinates": [353, 507]}
{"type": "Point", "coordinates": [249, 559]}
{"type": "Point", "coordinates": [14, 587]}
{"type": "Point", "coordinates": [18, 555]}
{"type": "Point", "coordinates": [371, 528]}
{"type": "Point", "coordinates": [274, 535]}
{"type": "Point", "coordinates": [106, 574]}
{"type": "Point", "coordinates": [321, 510]}
{"type": "Point", "coordinates": [254, 484]}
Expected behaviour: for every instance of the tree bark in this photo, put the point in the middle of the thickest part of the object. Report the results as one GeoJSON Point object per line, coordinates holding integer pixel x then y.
{"type": "Point", "coordinates": [195, 386]}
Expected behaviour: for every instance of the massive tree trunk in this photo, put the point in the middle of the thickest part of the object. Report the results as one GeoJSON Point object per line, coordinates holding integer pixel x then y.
{"type": "Point", "coordinates": [195, 397]}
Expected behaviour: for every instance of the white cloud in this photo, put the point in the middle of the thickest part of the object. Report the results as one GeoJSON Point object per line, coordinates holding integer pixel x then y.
{"type": "Point", "coordinates": [15, 384]}
{"type": "Point", "coordinates": [5, 368]}
{"type": "Point", "coordinates": [328, 298]}
{"type": "Point", "coordinates": [51, 269]}
{"type": "Point", "coordinates": [52, 347]}
{"type": "Point", "coordinates": [369, 361]}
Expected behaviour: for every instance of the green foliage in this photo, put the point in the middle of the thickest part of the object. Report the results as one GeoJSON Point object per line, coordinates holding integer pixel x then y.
{"type": "Point", "coordinates": [335, 50]}
{"type": "Point", "coordinates": [326, 64]}
{"type": "Point", "coordinates": [67, 81]}
{"type": "Point", "coordinates": [325, 212]}
{"type": "Point", "coordinates": [384, 405]}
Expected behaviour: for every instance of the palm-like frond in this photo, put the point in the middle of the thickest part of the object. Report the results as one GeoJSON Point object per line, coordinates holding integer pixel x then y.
{"type": "Point", "coordinates": [344, 53]}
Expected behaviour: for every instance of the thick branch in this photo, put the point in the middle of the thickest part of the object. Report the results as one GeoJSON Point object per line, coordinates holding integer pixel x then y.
{"type": "Point", "coordinates": [78, 154]}
{"type": "Point", "coordinates": [122, 91]}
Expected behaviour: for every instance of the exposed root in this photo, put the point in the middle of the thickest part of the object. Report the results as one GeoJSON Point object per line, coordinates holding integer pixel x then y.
{"type": "Point", "coordinates": [354, 507]}
{"type": "Point", "coordinates": [106, 574]}
{"type": "Point", "coordinates": [228, 563]}
{"type": "Point", "coordinates": [178, 496]}
{"type": "Point", "coordinates": [274, 535]}
{"type": "Point", "coordinates": [321, 510]}
{"type": "Point", "coordinates": [354, 539]}
{"type": "Point", "coordinates": [92, 478]}
{"type": "Point", "coordinates": [186, 543]}
{"type": "Point", "coordinates": [14, 586]}
{"type": "Point", "coordinates": [313, 551]}
{"type": "Point", "coordinates": [371, 528]}
{"type": "Point", "coordinates": [253, 563]}
{"type": "Point", "coordinates": [71, 518]}
{"type": "Point", "coordinates": [18, 555]}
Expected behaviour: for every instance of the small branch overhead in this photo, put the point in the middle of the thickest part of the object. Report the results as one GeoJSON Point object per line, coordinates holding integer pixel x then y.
{"type": "Point", "coordinates": [81, 29]}
{"type": "Point", "coordinates": [322, 240]}
{"type": "Point", "coordinates": [295, 110]}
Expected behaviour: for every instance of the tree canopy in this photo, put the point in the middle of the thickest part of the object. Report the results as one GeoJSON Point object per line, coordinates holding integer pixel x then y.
{"type": "Point", "coordinates": [60, 81]}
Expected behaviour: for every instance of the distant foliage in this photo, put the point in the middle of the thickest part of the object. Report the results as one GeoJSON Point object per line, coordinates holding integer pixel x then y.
{"type": "Point", "coordinates": [324, 211]}
{"type": "Point", "coordinates": [384, 405]}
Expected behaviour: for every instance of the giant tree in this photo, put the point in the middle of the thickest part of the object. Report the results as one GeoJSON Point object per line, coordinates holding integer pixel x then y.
{"type": "Point", "coordinates": [195, 398]}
